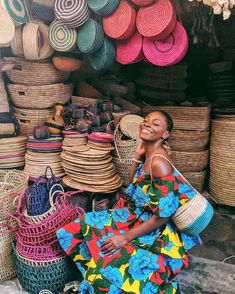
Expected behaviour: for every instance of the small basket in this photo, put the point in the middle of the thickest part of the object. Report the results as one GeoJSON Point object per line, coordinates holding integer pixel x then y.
{"type": "Point", "coordinates": [122, 169]}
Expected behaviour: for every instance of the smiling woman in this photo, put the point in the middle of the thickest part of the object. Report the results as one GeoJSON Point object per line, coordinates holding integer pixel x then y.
{"type": "Point", "coordinates": [136, 248]}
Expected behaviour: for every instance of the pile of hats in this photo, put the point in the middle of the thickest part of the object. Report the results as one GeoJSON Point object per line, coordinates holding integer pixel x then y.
{"type": "Point", "coordinates": [42, 153]}
{"type": "Point", "coordinates": [221, 85]}
{"type": "Point", "coordinates": [12, 152]}
{"type": "Point", "coordinates": [89, 167]}
{"type": "Point", "coordinates": [158, 85]}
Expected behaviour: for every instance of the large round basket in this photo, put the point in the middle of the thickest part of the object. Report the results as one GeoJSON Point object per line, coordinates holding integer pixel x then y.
{"type": "Point", "coordinates": [122, 169]}
{"type": "Point", "coordinates": [190, 161]}
{"type": "Point", "coordinates": [185, 117]}
{"type": "Point", "coordinates": [196, 179]}
{"type": "Point", "coordinates": [35, 73]}
{"type": "Point", "coordinates": [222, 161]}
{"type": "Point", "coordinates": [39, 97]}
{"type": "Point", "coordinates": [30, 118]}
{"type": "Point", "coordinates": [191, 141]}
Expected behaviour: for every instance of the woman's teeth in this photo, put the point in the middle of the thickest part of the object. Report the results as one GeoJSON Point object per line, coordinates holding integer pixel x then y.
{"type": "Point", "coordinates": [145, 131]}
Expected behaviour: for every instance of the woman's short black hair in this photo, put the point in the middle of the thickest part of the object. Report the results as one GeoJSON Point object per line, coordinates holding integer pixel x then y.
{"type": "Point", "coordinates": [169, 120]}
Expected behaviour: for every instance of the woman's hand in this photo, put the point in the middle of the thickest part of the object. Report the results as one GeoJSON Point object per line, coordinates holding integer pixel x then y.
{"type": "Point", "coordinates": [112, 244]}
{"type": "Point", "coordinates": [140, 150]}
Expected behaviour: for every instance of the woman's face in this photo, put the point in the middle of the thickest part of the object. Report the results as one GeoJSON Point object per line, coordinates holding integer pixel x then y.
{"type": "Point", "coordinates": [154, 127]}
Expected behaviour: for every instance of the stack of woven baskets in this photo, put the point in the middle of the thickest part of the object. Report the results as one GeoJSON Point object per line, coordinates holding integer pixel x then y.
{"type": "Point", "coordinates": [12, 183]}
{"type": "Point", "coordinates": [189, 140]}
{"type": "Point", "coordinates": [36, 86]}
{"type": "Point", "coordinates": [222, 162]}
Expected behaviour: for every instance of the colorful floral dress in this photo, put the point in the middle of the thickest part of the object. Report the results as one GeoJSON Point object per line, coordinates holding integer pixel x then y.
{"type": "Point", "coordinates": [145, 265]}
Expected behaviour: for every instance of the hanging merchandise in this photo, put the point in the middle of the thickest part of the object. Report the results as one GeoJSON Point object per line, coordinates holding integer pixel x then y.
{"type": "Point", "coordinates": [72, 13]}
{"type": "Point", "coordinates": [169, 50]}
{"type": "Point", "coordinates": [130, 50]}
{"type": "Point", "coordinates": [44, 9]}
{"type": "Point", "coordinates": [17, 42]}
{"type": "Point", "coordinates": [104, 57]}
{"type": "Point", "coordinates": [56, 122]}
{"type": "Point", "coordinates": [36, 48]}
{"type": "Point", "coordinates": [143, 2]}
{"type": "Point", "coordinates": [7, 27]}
{"type": "Point", "coordinates": [156, 21]}
{"type": "Point", "coordinates": [90, 37]}
{"type": "Point", "coordinates": [103, 7]}
{"type": "Point", "coordinates": [120, 24]}
{"type": "Point", "coordinates": [17, 9]}
{"type": "Point", "coordinates": [61, 37]}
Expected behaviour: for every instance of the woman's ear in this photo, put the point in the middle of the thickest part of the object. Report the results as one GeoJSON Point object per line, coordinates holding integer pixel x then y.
{"type": "Point", "coordinates": [166, 135]}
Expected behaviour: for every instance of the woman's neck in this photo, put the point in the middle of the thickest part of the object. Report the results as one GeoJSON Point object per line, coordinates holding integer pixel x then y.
{"type": "Point", "coordinates": [152, 147]}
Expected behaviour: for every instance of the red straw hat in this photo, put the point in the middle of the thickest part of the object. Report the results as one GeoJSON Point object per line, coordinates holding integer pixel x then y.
{"type": "Point", "coordinates": [156, 21]}
{"type": "Point", "coordinates": [130, 50]}
{"type": "Point", "coordinates": [121, 24]}
{"type": "Point", "coordinates": [143, 2]}
{"type": "Point", "coordinates": [168, 51]}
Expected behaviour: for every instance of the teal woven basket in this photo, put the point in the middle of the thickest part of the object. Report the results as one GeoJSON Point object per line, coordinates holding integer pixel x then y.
{"type": "Point", "coordinates": [44, 275]}
{"type": "Point", "coordinates": [104, 57]}
{"type": "Point", "coordinates": [90, 37]}
{"type": "Point", "coordinates": [103, 7]}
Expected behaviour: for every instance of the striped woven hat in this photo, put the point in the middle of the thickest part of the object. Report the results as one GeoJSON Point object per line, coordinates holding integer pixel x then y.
{"type": "Point", "coordinates": [104, 57]}
{"type": "Point", "coordinates": [17, 10]}
{"type": "Point", "coordinates": [73, 13]}
{"type": "Point", "coordinates": [90, 37]}
{"type": "Point", "coordinates": [61, 37]}
{"type": "Point", "coordinates": [103, 7]}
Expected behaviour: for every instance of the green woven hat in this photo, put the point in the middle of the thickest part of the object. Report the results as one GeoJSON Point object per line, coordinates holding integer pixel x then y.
{"type": "Point", "coordinates": [103, 7]}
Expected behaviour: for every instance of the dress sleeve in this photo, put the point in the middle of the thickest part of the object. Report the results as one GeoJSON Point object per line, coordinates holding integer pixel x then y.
{"type": "Point", "coordinates": [164, 198]}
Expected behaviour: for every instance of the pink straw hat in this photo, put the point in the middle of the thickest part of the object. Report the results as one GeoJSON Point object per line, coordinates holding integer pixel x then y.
{"type": "Point", "coordinates": [130, 50]}
{"type": "Point", "coordinates": [143, 2]}
{"type": "Point", "coordinates": [156, 21]}
{"type": "Point", "coordinates": [168, 51]}
{"type": "Point", "coordinates": [121, 24]}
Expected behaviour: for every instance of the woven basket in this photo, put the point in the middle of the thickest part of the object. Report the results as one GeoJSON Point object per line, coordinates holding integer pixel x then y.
{"type": "Point", "coordinates": [196, 179]}
{"type": "Point", "coordinates": [191, 141]}
{"type": "Point", "coordinates": [17, 43]}
{"type": "Point", "coordinates": [39, 97]}
{"type": "Point", "coordinates": [35, 73]}
{"type": "Point", "coordinates": [190, 161]}
{"type": "Point", "coordinates": [222, 162]}
{"type": "Point", "coordinates": [30, 118]}
{"type": "Point", "coordinates": [122, 169]}
{"type": "Point", "coordinates": [8, 269]}
{"type": "Point", "coordinates": [185, 117]}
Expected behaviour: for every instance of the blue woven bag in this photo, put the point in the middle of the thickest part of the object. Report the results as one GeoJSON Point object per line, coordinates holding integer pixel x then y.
{"type": "Point", "coordinates": [103, 7]}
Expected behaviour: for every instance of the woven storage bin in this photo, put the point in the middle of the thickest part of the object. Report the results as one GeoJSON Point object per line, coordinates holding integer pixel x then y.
{"type": "Point", "coordinates": [185, 117]}
{"type": "Point", "coordinates": [122, 169]}
{"type": "Point", "coordinates": [30, 118]}
{"type": "Point", "coordinates": [190, 161]}
{"type": "Point", "coordinates": [45, 275]}
{"type": "Point", "coordinates": [39, 97]}
{"type": "Point", "coordinates": [191, 141]}
{"type": "Point", "coordinates": [196, 179]}
{"type": "Point", "coordinates": [35, 73]}
{"type": "Point", "coordinates": [222, 162]}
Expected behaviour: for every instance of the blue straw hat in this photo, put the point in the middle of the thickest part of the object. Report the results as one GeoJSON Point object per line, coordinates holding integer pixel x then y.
{"type": "Point", "coordinates": [17, 9]}
{"type": "Point", "coordinates": [103, 7]}
{"type": "Point", "coordinates": [90, 37]}
{"type": "Point", "coordinates": [104, 57]}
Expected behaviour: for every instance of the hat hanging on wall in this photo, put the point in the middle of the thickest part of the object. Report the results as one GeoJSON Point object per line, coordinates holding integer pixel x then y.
{"type": "Point", "coordinates": [103, 7]}
{"type": "Point", "coordinates": [61, 37]}
{"type": "Point", "coordinates": [44, 9]}
{"type": "Point", "coordinates": [7, 27]}
{"type": "Point", "coordinates": [73, 13]}
{"type": "Point", "coordinates": [157, 20]}
{"type": "Point", "coordinates": [168, 51]}
{"type": "Point", "coordinates": [120, 24]}
{"type": "Point", "coordinates": [17, 9]}
{"type": "Point", "coordinates": [90, 37]}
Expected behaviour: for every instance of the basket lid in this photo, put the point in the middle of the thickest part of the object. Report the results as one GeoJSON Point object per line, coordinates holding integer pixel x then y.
{"type": "Point", "coordinates": [129, 125]}
{"type": "Point", "coordinates": [17, 9]}
{"type": "Point", "coordinates": [103, 7]}
{"type": "Point", "coordinates": [168, 51]}
{"type": "Point", "coordinates": [157, 20]}
{"type": "Point", "coordinates": [121, 23]}
{"type": "Point", "coordinates": [7, 27]}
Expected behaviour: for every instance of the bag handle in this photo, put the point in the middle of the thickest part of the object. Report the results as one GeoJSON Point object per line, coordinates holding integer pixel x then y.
{"type": "Point", "coordinates": [172, 165]}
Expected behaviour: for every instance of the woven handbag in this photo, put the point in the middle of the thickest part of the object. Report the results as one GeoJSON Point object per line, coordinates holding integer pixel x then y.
{"type": "Point", "coordinates": [194, 216]}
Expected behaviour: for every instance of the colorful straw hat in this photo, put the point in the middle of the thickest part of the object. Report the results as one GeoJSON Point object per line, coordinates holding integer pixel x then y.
{"type": "Point", "coordinates": [130, 50]}
{"type": "Point", "coordinates": [7, 27]}
{"type": "Point", "coordinates": [44, 9]}
{"type": "Point", "coordinates": [156, 21]}
{"type": "Point", "coordinates": [168, 51]}
{"type": "Point", "coordinates": [103, 7]}
{"type": "Point", "coordinates": [66, 63]}
{"type": "Point", "coordinates": [90, 37]}
{"type": "Point", "coordinates": [73, 13]}
{"type": "Point", "coordinates": [143, 2]}
{"type": "Point", "coordinates": [61, 37]}
{"type": "Point", "coordinates": [104, 57]}
{"type": "Point", "coordinates": [17, 9]}
{"type": "Point", "coordinates": [121, 25]}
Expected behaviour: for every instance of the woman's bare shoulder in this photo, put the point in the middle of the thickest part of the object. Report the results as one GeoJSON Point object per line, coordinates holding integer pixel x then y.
{"type": "Point", "coordinates": [160, 166]}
